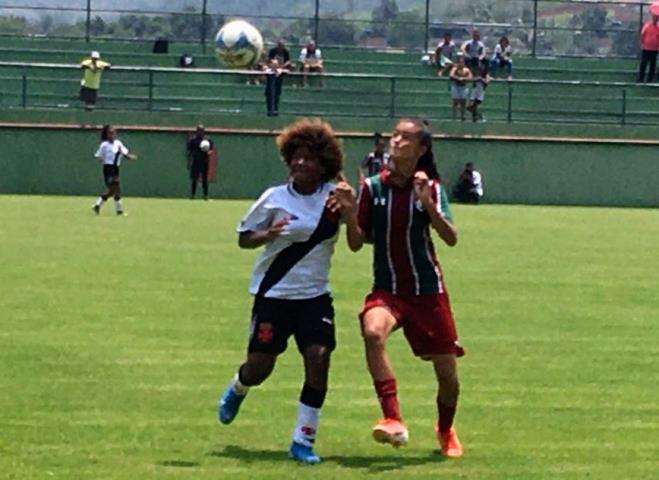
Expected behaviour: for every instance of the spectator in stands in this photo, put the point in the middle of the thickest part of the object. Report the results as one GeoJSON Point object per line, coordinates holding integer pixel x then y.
{"type": "Point", "coordinates": [501, 61]}
{"type": "Point", "coordinates": [459, 76]}
{"type": "Point", "coordinates": [375, 160]}
{"type": "Point", "coordinates": [649, 46]}
{"type": "Point", "coordinates": [198, 160]}
{"type": "Point", "coordinates": [91, 80]}
{"type": "Point", "coordinates": [311, 61]}
{"type": "Point", "coordinates": [469, 188]}
{"type": "Point", "coordinates": [186, 61]}
{"type": "Point", "coordinates": [281, 53]}
{"type": "Point", "coordinates": [477, 96]}
{"type": "Point", "coordinates": [274, 78]}
{"type": "Point", "coordinates": [474, 50]}
{"type": "Point", "coordinates": [444, 54]}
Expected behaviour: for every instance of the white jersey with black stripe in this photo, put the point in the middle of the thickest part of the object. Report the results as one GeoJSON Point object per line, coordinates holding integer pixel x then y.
{"type": "Point", "coordinates": [110, 152]}
{"type": "Point", "coordinates": [294, 265]}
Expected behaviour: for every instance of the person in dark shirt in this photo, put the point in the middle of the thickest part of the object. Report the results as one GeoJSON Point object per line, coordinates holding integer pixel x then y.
{"type": "Point", "coordinates": [281, 54]}
{"type": "Point", "coordinates": [274, 79]}
{"type": "Point", "coordinates": [199, 148]}
{"type": "Point", "coordinates": [376, 160]}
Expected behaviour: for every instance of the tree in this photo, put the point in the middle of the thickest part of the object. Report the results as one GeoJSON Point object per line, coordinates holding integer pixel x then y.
{"type": "Point", "coordinates": [383, 16]}
{"type": "Point", "coordinates": [407, 31]}
{"type": "Point", "coordinates": [335, 31]}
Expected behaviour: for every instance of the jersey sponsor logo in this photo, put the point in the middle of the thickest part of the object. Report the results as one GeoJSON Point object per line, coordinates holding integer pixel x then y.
{"type": "Point", "coordinates": [265, 334]}
{"type": "Point", "coordinates": [379, 201]}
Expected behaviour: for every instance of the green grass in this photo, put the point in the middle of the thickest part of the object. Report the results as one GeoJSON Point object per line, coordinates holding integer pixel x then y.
{"type": "Point", "coordinates": [117, 334]}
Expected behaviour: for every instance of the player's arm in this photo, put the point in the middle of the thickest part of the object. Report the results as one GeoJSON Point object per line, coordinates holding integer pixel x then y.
{"type": "Point", "coordinates": [352, 211]}
{"type": "Point", "coordinates": [440, 223]}
{"type": "Point", "coordinates": [254, 239]}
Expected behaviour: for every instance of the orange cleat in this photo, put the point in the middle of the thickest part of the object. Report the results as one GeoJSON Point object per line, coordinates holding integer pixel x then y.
{"type": "Point", "coordinates": [449, 443]}
{"type": "Point", "coordinates": [391, 431]}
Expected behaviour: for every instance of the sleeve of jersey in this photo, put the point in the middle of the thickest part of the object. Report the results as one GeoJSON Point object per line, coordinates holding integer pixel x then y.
{"type": "Point", "coordinates": [441, 200]}
{"type": "Point", "coordinates": [259, 216]}
{"type": "Point", "coordinates": [123, 149]}
{"type": "Point", "coordinates": [99, 152]}
{"type": "Point", "coordinates": [364, 203]}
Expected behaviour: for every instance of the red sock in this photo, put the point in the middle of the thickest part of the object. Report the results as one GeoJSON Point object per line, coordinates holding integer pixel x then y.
{"type": "Point", "coordinates": [386, 391]}
{"type": "Point", "coordinates": [446, 415]}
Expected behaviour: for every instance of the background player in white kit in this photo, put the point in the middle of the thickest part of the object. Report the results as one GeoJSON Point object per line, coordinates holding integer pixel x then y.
{"type": "Point", "coordinates": [109, 153]}
{"type": "Point", "coordinates": [290, 281]}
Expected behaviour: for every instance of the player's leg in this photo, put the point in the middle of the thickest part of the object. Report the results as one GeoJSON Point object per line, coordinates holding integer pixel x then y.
{"type": "Point", "coordinates": [194, 176]}
{"type": "Point", "coordinates": [116, 193]}
{"type": "Point", "coordinates": [102, 198]}
{"type": "Point", "coordinates": [316, 339]}
{"type": "Point", "coordinates": [268, 339]}
{"type": "Point", "coordinates": [254, 371]}
{"type": "Point", "coordinates": [377, 322]}
{"type": "Point", "coordinates": [204, 180]}
{"type": "Point", "coordinates": [432, 335]}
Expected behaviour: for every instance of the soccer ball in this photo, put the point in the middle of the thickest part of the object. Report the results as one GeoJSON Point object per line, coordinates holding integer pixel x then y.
{"type": "Point", "coordinates": [238, 44]}
{"type": "Point", "coordinates": [205, 145]}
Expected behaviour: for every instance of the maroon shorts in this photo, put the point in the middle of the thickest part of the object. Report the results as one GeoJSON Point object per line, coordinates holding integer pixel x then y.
{"type": "Point", "coordinates": [426, 320]}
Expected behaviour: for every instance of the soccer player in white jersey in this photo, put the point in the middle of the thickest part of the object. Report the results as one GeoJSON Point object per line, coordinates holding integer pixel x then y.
{"type": "Point", "coordinates": [290, 281]}
{"type": "Point", "coordinates": [109, 153]}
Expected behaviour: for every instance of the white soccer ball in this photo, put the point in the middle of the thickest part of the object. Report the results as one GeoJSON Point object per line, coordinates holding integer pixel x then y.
{"type": "Point", "coordinates": [205, 145]}
{"type": "Point", "coordinates": [425, 59]}
{"type": "Point", "coordinates": [238, 44]}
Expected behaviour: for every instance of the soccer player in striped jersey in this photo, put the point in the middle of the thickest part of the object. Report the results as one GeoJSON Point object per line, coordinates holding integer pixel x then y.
{"type": "Point", "coordinates": [109, 153]}
{"type": "Point", "coordinates": [395, 211]}
{"type": "Point", "coordinates": [290, 281]}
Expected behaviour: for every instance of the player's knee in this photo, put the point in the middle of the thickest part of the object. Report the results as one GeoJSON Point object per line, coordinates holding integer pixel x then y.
{"type": "Point", "coordinates": [256, 372]}
{"type": "Point", "coordinates": [317, 357]}
{"type": "Point", "coordinates": [374, 334]}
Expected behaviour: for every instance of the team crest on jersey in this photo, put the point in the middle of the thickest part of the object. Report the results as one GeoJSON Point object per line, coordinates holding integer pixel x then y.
{"type": "Point", "coordinates": [419, 206]}
{"type": "Point", "coordinates": [264, 335]}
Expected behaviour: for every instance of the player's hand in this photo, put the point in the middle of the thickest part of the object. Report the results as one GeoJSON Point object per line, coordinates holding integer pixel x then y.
{"type": "Point", "coordinates": [344, 198]}
{"type": "Point", "coordinates": [422, 187]}
{"type": "Point", "coordinates": [277, 228]}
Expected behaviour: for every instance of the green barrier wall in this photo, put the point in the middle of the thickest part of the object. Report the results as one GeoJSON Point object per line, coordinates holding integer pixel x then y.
{"type": "Point", "coordinates": [41, 161]}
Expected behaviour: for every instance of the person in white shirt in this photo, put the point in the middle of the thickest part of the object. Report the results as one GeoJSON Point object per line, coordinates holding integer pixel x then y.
{"type": "Point", "coordinates": [469, 188]}
{"type": "Point", "coordinates": [311, 60]}
{"type": "Point", "coordinates": [474, 50]}
{"type": "Point", "coordinates": [290, 281]}
{"type": "Point", "coordinates": [109, 153]}
{"type": "Point", "coordinates": [445, 54]}
{"type": "Point", "coordinates": [501, 60]}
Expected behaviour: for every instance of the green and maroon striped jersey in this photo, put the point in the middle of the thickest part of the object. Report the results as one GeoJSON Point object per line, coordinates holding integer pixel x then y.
{"type": "Point", "coordinates": [404, 260]}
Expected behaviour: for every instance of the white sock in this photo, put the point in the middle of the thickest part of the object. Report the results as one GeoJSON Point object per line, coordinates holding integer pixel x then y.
{"type": "Point", "coordinates": [99, 202]}
{"type": "Point", "coordinates": [238, 387]}
{"type": "Point", "coordinates": [117, 205]}
{"type": "Point", "coordinates": [307, 424]}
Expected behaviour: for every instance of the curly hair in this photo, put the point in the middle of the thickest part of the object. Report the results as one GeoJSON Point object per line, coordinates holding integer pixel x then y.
{"type": "Point", "coordinates": [319, 139]}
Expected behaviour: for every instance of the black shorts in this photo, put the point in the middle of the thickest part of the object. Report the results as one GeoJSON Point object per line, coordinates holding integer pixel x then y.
{"type": "Point", "coordinates": [88, 95]}
{"type": "Point", "coordinates": [199, 170]}
{"type": "Point", "coordinates": [274, 320]}
{"type": "Point", "coordinates": [111, 175]}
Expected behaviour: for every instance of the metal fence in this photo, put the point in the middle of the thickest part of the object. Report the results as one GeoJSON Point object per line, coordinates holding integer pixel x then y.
{"type": "Point", "coordinates": [24, 85]}
{"type": "Point", "coordinates": [535, 27]}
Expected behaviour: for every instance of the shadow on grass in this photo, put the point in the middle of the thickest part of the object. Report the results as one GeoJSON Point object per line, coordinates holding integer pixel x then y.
{"type": "Point", "coordinates": [373, 464]}
{"type": "Point", "coordinates": [178, 463]}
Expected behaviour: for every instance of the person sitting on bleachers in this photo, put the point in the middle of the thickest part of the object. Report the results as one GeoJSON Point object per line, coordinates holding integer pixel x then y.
{"type": "Point", "coordinates": [311, 61]}
{"type": "Point", "coordinates": [469, 188]}
{"type": "Point", "coordinates": [474, 50]}
{"type": "Point", "coordinates": [444, 54]}
{"type": "Point", "coordinates": [501, 60]}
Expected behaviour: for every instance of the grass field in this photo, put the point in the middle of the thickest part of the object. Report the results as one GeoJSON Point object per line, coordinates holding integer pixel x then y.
{"type": "Point", "coordinates": [117, 334]}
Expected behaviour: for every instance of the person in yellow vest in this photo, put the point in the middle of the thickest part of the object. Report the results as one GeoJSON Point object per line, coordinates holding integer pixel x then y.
{"type": "Point", "coordinates": [91, 79]}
